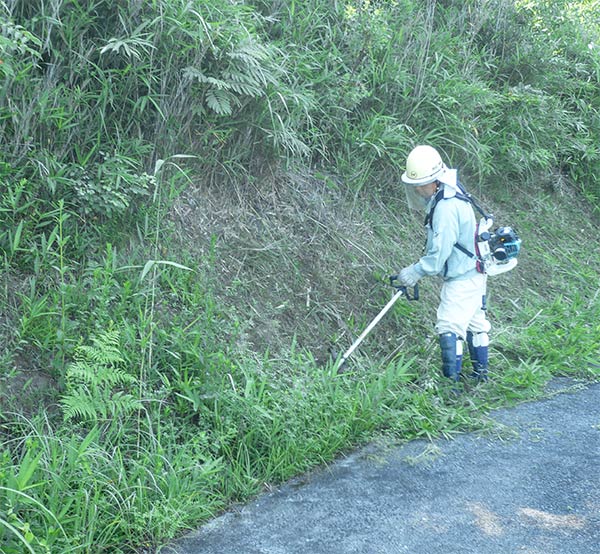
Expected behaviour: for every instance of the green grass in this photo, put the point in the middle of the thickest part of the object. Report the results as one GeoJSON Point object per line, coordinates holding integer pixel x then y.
{"type": "Point", "coordinates": [167, 320]}
{"type": "Point", "coordinates": [213, 425]}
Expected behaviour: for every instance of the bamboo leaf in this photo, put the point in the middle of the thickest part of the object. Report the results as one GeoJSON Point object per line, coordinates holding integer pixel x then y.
{"type": "Point", "coordinates": [17, 238]}
{"type": "Point", "coordinates": [27, 469]}
{"type": "Point", "coordinates": [158, 164]}
{"type": "Point", "coordinates": [150, 264]}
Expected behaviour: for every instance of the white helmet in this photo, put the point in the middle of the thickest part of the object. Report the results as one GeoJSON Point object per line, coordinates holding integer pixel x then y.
{"type": "Point", "coordinates": [424, 165]}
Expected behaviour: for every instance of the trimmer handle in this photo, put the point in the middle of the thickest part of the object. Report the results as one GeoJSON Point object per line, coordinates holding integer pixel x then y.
{"type": "Point", "coordinates": [394, 283]}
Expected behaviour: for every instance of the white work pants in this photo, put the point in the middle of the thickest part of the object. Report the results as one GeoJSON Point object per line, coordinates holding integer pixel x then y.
{"type": "Point", "coordinates": [460, 308]}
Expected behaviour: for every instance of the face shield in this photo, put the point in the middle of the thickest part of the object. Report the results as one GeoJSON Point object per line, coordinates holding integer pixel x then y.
{"type": "Point", "coordinates": [418, 197]}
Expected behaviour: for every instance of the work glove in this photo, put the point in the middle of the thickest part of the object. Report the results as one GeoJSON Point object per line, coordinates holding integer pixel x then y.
{"type": "Point", "coordinates": [409, 276]}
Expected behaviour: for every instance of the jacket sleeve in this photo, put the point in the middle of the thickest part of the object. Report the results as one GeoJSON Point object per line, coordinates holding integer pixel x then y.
{"type": "Point", "coordinates": [441, 238]}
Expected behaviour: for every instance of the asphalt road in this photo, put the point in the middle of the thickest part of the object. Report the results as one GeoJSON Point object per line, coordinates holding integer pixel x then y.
{"type": "Point", "coordinates": [531, 488]}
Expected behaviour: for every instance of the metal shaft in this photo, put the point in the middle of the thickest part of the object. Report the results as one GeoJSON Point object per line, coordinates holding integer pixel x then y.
{"type": "Point", "coordinates": [375, 321]}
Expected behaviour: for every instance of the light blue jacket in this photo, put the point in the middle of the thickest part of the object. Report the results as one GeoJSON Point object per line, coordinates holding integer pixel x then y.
{"type": "Point", "coordinates": [453, 223]}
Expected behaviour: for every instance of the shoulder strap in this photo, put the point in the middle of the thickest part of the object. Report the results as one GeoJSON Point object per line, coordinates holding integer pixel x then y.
{"type": "Point", "coordinates": [464, 195]}
{"type": "Point", "coordinates": [439, 195]}
{"type": "Point", "coordinates": [465, 251]}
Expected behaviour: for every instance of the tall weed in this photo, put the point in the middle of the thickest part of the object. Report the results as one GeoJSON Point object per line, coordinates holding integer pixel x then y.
{"type": "Point", "coordinates": [164, 412]}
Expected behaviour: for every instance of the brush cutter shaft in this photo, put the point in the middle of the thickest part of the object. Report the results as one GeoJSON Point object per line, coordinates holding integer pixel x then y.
{"type": "Point", "coordinates": [375, 321]}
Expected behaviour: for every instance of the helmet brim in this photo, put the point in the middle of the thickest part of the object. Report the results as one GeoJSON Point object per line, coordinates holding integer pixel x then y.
{"type": "Point", "coordinates": [423, 180]}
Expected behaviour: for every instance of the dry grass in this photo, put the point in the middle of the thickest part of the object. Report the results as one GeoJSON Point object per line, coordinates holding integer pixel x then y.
{"type": "Point", "coordinates": [304, 257]}
{"type": "Point", "coordinates": [298, 255]}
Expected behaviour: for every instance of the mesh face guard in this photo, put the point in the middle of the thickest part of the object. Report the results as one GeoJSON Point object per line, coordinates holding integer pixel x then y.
{"type": "Point", "coordinates": [414, 200]}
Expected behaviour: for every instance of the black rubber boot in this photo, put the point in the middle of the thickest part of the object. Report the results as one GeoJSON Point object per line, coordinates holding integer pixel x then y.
{"type": "Point", "coordinates": [479, 359]}
{"type": "Point", "coordinates": [451, 363]}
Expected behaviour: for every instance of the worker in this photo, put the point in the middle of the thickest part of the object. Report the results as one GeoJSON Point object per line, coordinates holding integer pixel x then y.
{"type": "Point", "coordinates": [451, 229]}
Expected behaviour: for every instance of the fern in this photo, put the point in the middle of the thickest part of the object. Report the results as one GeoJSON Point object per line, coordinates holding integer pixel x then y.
{"type": "Point", "coordinates": [97, 382]}
{"type": "Point", "coordinates": [246, 70]}
{"type": "Point", "coordinates": [195, 74]}
{"type": "Point", "coordinates": [244, 84]}
{"type": "Point", "coordinates": [79, 404]}
{"type": "Point", "coordinates": [96, 374]}
{"type": "Point", "coordinates": [219, 101]}
{"type": "Point", "coordinates": [105, 350]}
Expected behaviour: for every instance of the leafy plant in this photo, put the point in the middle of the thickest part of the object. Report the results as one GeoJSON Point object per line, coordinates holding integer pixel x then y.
{"type": "Point", "coordinates": [97, 384]}
{"type": "Point", "coordinates": [110, 188]}
{"type": "Point", "coordinates": [293, 120]}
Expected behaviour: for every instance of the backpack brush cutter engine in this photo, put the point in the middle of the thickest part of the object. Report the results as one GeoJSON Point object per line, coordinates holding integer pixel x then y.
{"type": "Point", "coordinates": [497, 250]}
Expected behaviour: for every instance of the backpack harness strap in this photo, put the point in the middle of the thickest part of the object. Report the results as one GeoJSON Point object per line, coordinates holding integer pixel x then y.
{"type": "Point", "coordinates": [465, 197]}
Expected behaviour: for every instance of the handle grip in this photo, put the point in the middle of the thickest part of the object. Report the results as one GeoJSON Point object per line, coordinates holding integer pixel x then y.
{"type": "Point", "coordinates": [415, 292]}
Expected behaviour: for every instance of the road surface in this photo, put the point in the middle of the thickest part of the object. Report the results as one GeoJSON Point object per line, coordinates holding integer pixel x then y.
{"type": "Point", "coordinates": [533, 487]}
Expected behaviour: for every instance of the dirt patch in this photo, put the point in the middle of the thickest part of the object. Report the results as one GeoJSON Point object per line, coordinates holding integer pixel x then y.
{"type": "Point", "coordinates": [489, 523]}
{"type": "Point", "coordinates": [548, 520]}
{"type": "Point", "coordinates": [297, 256]}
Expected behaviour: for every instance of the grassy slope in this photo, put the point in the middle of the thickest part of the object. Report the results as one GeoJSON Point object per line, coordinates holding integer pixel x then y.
{"type": "Point", "coordinates": [301, 256]}
{"type": "Point", "coordinates": [288, 263]}
{"type": "Point", "coordinates": [295, 263]}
